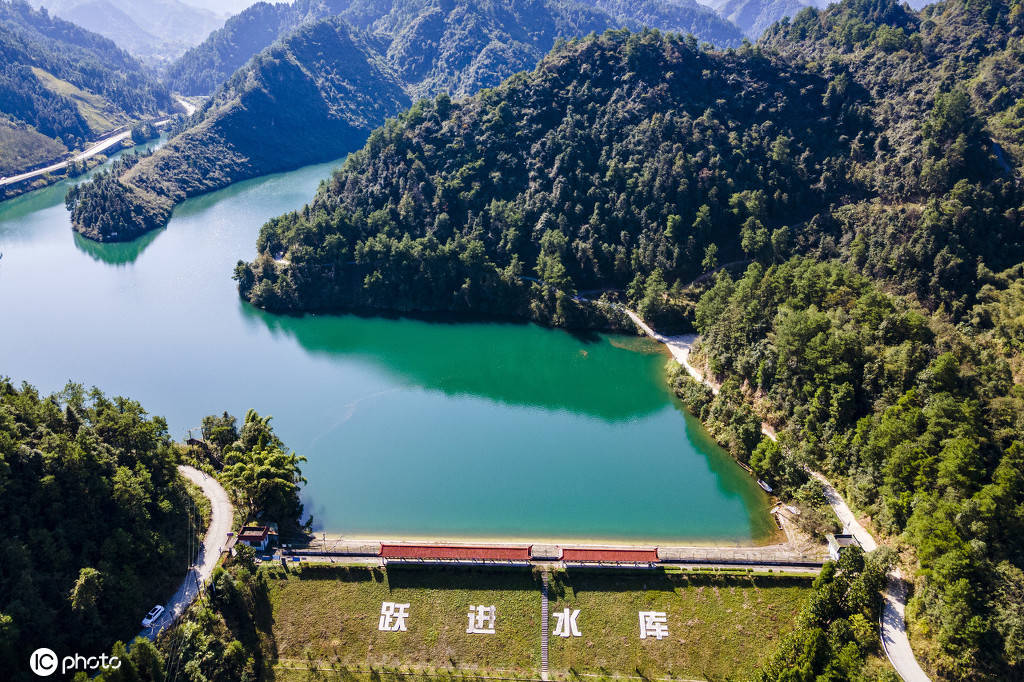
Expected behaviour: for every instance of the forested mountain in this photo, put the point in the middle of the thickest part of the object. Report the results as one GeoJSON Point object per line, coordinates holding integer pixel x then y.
{"type": "Point", "coordinates": [921, 422]}
{"type": "Point", "coordinates": [155, 31]}
{"type": "Point", "coordinates": [203, 68]}
{"type": "Point", "coordinates": [619, 156]}
{"type": "Point", "coordinates": [894, 168]}
{"type": "Point", "coordinates": [754, 16]}
{"type": "Point", "coordinates": [292, 91]}
{"type": "Point", "coordinates": [944, 170]}
{"type": "Point", "coordinates": [61, 85]}
{"type": "Point", "coordinates": [406, 50]}
{"type": "Point", "coordinates": [865, 160]}
{"type": "Point", "coordinates": [443, 34]}
{"type": "Point", "coordinates": [96, 521]}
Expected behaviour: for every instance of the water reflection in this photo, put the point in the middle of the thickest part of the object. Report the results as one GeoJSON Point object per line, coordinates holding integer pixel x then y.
{"type": "Point", "coordinates": [508, 363]}
{"type": "Point", "coordinates": [14, 209]}
{"type": "Point", "coordinates": [116, 253]}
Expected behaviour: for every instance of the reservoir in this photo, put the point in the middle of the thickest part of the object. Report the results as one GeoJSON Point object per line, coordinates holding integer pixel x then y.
{"type": "Point", "coordinates": [411, 428]}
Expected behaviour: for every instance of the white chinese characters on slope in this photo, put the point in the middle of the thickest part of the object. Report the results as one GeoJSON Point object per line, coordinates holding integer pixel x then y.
{"type": "Point", "coordinates": [565, 625]}
{"type": "Point", "coordinates": [481, 620]}
{"type": "Point", "coordinates": [393, 617]}
{"type": "Point", "coordinates": [653, 624]}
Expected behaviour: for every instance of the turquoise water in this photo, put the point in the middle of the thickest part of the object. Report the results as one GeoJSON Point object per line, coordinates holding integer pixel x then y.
{"type": "Point", "coordinates": [411, 428]}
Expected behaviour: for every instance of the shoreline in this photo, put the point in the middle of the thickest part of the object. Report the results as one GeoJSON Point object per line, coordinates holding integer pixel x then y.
{"type": "Point", "coordinates": [776, 538]}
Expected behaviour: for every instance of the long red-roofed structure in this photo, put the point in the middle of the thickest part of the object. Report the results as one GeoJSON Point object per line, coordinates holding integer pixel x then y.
{"type": "Point", "coordinates": [644, 556]}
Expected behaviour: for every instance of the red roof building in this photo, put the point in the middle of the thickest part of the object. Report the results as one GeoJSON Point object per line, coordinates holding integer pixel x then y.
{"type": "Point", "coordinates": [631, 556]}
{"type": "Point", "coordinates": [456, 552]}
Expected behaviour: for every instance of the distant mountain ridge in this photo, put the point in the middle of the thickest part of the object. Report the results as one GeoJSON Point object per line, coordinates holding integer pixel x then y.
{"type": "Point", "coordinates": [61, 85]}
{"type": "Point", "coordinates": [155, 31]}
{"type": "Point", "coordinates": [416, 48]}
{"type": "Point", "coordinates": [203, 68]}
{"type": "Point", "coordinates": [754, 16]}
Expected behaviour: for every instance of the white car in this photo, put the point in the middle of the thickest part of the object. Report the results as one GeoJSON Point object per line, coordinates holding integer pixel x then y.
{"type": "Point", "coordinates": [152, 616]}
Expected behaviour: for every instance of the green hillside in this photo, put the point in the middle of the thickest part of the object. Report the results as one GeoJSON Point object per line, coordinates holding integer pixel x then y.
{"type": "Point", "coordinates": [619, 156]}
{"type": "Point", "coordinates": [412, 49]}
{"type": "Point", "coordinates": [64, 83]}
{"type": "Point", "coordinates": [96, 520]}
{"type": "Point", "coordinates": [289, 107]}
{"type": "Point", "coordinates": [204, 67]}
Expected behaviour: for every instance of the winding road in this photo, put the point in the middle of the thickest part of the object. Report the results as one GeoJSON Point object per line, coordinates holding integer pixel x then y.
{"type": "Point", "coordinates": [209, 554]}
{"type": "Point", "coordinates": [893, 624]}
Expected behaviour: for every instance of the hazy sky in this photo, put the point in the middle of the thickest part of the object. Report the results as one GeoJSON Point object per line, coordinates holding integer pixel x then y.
{"type": "Point", "coordinates": [226, 6]}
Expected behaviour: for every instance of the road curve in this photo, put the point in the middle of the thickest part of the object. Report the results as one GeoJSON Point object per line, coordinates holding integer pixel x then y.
{"type": "Point", "coordinates": [894, 599]}
{"type": "Point", "coordinates": [209, 553]}
{"type": "Point", "coordinates": [185, 104]}
{"type": "Point", "coordinates": [893, 625]}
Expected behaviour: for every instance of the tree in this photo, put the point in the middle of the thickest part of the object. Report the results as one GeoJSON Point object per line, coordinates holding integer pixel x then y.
{"type": "Point", "coordinates": [219, 431]}
{"type": "Point", "coordinates": [550, 268]}
{"type": "Point", "coordinates": [86, 591]}
{"type": "Point", "coordinates": [710, 261]}
{"type": "Point", "coordinates": [262, 478]}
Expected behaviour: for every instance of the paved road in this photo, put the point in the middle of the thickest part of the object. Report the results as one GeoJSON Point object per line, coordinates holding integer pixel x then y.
{"type": "Point", "coordinates": [894, 630]}
{"type": "Point", "coordinates": [101, 146]}
{"type": "Point", "coordinates": [185, 104]}
{"type": "Point", "coordinates": [209, 553]}
{"type": "Point", "coordinates": [893, 624]}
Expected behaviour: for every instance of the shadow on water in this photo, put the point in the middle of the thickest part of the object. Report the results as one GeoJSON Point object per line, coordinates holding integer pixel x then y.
{"type": "Point", "coordinates": [116, 253]}
{"type": "Point", "coordinates": [270, 185]}
{"type": "Point", "coordinates": [532, 367]}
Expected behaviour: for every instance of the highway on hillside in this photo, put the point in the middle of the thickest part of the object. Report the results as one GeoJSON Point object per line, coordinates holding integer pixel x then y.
{"type": "Point", "coordinates": [100, 146]}
{"type": "Point", "coordinates": [893, 625]}
{"type": "Point", "coordinates": [200, 572]}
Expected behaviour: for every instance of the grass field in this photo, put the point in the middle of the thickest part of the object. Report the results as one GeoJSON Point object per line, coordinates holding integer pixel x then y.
{"type": "Point", "coordinates": [720, 626]}
{"type": "Point", "coordinates": [22, 147]}
{"type": "Point", "coordinates": [331, 615]}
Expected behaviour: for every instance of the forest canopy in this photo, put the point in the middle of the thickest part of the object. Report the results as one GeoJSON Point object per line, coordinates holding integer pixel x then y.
{"type": "Point", "coordinates": [96, 519]}
{"type": "Point", "coordinates": [622, 155]}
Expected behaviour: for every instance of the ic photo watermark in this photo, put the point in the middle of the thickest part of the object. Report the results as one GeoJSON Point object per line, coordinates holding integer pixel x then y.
{"type": "Point", "coordinates": [45, 662]}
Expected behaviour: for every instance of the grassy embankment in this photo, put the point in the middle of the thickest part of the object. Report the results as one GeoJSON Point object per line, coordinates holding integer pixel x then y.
{"type": "Point", "coordinates": [99, 114]}
{"type": "Point", "coordinates": [325, 617]}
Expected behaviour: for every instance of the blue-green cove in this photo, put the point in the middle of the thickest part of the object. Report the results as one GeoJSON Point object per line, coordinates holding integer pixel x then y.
{"type": "Point", "coordinates": [411, 428]}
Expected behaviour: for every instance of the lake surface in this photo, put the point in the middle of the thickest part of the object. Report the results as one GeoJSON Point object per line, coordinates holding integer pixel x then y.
{"type": "Point", "coordinates": [411, 428]}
